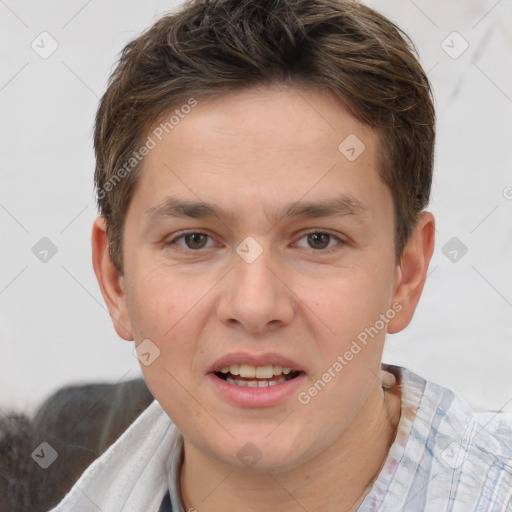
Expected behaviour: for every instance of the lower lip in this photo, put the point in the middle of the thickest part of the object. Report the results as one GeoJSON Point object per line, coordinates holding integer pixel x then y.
{"type": "Point", "coordinates": [256, 397]}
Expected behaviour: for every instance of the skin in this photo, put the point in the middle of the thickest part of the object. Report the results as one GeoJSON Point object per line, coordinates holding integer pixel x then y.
{"type": "Point", "coordinates": [251, 153]}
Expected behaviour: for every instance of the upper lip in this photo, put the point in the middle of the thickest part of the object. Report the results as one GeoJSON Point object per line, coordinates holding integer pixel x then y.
{"type": "Point", "coordinates": [267, 359]}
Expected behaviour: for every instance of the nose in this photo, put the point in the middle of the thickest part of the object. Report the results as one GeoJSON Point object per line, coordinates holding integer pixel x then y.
{"type": "Point", "coordinates": [256, 296]}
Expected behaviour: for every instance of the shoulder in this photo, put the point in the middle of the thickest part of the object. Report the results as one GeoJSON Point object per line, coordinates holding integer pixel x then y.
{"type": "Point", "coordinates": [445, 452]}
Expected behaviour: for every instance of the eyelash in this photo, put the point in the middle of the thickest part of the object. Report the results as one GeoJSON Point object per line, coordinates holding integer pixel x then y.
{"type": "Point", "coordinates": [324, 251]}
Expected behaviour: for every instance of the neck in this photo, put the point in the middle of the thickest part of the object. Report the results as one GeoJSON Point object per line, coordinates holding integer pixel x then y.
{"type": "Point", "coordinates": [336, 479]}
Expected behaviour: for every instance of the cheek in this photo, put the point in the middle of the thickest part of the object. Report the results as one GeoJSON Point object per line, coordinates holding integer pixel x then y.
{"type": "Point", "coordinates": [161, 309]}
{"type": "Point", "coordinates": [168, 310]}
{"type": "Point", "coordinates": [346, 302]}
{"type": "Point", "coordinates": [160, 302]}
{"type": "Point", "coordinates": [158, 313]}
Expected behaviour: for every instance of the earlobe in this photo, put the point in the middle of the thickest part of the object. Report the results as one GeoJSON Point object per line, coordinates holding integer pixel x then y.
{"type": "Point", "coordinates": [412, 271]}
{"type": "Point", "coordinates": [111, 283]}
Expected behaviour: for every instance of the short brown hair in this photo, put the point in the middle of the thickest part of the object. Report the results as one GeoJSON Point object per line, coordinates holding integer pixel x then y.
{"type": "Point", "coordinates": [221, 46]}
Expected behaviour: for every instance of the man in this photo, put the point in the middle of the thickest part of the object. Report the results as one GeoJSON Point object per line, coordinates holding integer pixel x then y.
{"type": "Point", "coordinates": [263, 170]}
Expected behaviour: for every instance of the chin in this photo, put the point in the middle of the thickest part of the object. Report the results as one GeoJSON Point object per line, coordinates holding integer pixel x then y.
{"type": "Point", "coordinates": [256, 451]}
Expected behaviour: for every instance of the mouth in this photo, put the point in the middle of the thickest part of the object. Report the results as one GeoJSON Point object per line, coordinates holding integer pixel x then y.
{"type": "Point", "coordinates": [255, 380]}
{"type": "Point", "coordinates": [249, 376]}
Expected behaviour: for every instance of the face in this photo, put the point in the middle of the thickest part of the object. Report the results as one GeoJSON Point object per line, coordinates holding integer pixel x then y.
{"type": "Point", "coordinates": [256, 245]}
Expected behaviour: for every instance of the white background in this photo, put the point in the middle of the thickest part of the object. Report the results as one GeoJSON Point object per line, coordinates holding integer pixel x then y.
{"type": "Point", "coordinates": [54, 327]}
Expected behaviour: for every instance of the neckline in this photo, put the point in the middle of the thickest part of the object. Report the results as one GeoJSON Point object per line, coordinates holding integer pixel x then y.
{"type": "Point", "coordinates": [410, 394]}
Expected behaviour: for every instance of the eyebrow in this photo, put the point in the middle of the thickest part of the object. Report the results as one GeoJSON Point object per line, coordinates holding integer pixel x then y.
{"type": "Point", "coordinates": [182, 208]}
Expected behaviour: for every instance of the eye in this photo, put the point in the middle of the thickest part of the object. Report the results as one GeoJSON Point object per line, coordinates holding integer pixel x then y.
{"type": "Point", "coordinates": [192, 240]}
{"type": "Point", "coordinates": [320, 240]}
{"type": "Point", "coordinates": [316, 240]}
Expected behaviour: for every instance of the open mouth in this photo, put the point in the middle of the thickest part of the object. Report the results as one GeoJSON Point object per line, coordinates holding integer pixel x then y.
{"type": "Point", "coordinates": [246, 375]}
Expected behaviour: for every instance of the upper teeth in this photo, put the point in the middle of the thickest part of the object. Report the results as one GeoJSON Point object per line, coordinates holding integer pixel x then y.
{"type": "Point", "coordinates": [260, 372]}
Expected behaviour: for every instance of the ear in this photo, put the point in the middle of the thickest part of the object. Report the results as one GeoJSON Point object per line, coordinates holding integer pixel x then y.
{"type": "Point", "coordinates": [110, 281]}
{"type": "Point", "coordinates": [412, 271]}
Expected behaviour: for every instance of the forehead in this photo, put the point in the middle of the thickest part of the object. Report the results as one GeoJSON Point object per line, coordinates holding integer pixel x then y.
{"type": "Point", "coordinates": [261, 146]}
{"type": "Point", "coordinates": [264, 118]}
